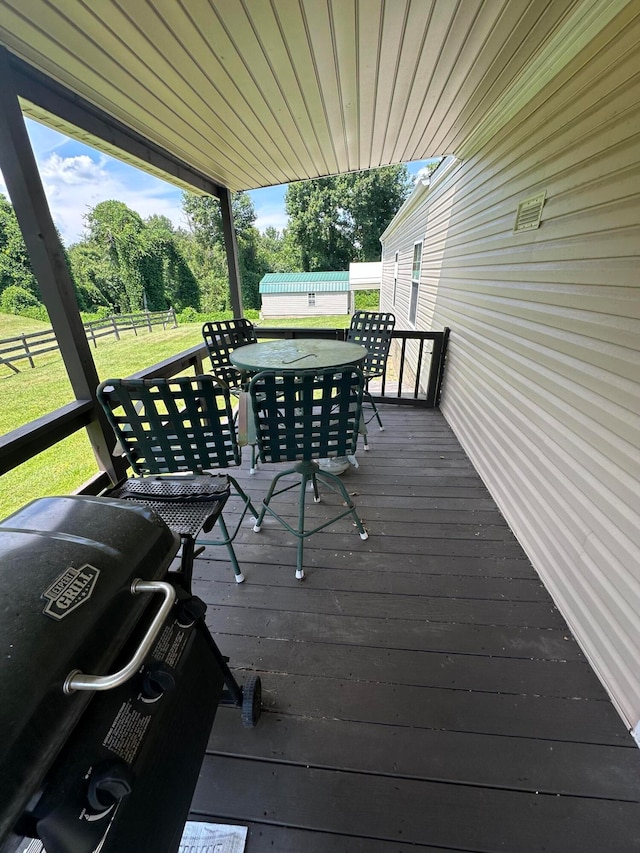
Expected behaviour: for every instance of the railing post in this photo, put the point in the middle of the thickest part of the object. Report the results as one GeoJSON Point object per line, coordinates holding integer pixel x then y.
{"type": "Point", "coordinates": [26, 349]}
{"type": "Point", "coordinates": [149, 321]}
{"type": "Point", "coordinates": [48, 262]}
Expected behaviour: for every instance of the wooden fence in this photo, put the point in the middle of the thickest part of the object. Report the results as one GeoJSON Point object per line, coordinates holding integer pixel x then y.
{"type": "Point", "coordinates": [38, 343]}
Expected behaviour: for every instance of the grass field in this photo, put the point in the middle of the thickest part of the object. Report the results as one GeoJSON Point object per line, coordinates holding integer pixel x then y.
{"type": "Point", "coordinates": [32, 393]}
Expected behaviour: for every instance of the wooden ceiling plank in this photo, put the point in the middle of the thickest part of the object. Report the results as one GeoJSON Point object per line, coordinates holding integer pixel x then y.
{"type": "Point", "coordinates": [394, 74]}
{"type": "Point", "coordinates": [344, 25]}
{"type": "Point", "coordinates": [80, 75]}
{"type": "Point", "coordinates": [294, 29]}
{"type": "Point", "coordinates": [244, 81]}
{"type": "Point", "coordinates": [322, 46]}
{"type": "Point", "coordinates": [291, 111]}
{"type": "Point", "coordinates": [174, 65]}
{"type": "Point", "coordinates": [461, 21]}
{"type": "Point", "coordinates": [369, 68]}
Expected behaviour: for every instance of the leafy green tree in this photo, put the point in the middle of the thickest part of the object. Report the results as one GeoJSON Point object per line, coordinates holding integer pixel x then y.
{"type": "Point", "coordinates": [180, 287]}
{"type": "Point", "coordinates": [15, 266]}
{"type": "Point", "coordinates": [204, 216]}
{"type": "Point", "coordinates": [339, 219]}
{"type": "Point", "coordinates": [118, 232]}
{"type": "Point", "coordinates": [94, 279]}
{"type": "Point", "coordinates": [279, 251]}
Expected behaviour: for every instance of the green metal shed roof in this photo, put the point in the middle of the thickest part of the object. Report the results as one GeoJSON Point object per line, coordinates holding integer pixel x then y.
{"type": "Point", "coordinates": [301, 282]}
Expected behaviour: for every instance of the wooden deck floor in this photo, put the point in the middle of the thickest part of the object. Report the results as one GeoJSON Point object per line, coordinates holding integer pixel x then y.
{"type": "Point", "coordinates": [421, 690]}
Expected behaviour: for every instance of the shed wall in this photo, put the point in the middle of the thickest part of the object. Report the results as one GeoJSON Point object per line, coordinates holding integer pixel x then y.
{"type": "Point", "coordinates": [542, 383]}
{"type": "Point", "coordinates": [297, 304]}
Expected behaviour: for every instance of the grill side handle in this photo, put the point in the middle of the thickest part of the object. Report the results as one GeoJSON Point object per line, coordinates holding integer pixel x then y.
{"type": "Point", "coordinates": [77, 680]}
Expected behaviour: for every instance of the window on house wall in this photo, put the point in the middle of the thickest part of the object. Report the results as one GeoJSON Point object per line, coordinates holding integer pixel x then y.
{"type": "Point", "coordinates": [415, 281]}
{"type": "Point", "coordinates": [312, 299]}
{"type": "Point", "coordinates": [395, 278]}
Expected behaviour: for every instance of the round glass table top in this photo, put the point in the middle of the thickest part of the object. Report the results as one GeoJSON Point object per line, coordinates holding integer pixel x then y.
{"type": "Point", "coordinates": [297, 354]}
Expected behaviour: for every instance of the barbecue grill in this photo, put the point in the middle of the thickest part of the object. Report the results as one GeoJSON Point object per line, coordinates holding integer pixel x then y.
{"type": "Point", "coordinates": [110, 677]}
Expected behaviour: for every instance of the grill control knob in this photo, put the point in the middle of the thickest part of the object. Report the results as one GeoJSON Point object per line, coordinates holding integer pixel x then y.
{"type": "Point", "coordinates": [189, 611]}
{"type": "Point", "coordinates": [109, 783]}
{"type": "Point", "coordinates": [156, 681]}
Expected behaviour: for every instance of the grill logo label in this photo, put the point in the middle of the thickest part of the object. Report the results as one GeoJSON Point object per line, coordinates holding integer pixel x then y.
{"type": "Point", "coordinates": [69, 590]}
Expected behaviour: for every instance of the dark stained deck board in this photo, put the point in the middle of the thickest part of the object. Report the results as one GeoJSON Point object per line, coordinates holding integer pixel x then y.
{"type": "Point", "coordinates": [455, 638]}
{"type": "Point", "coordinates": [399, 583]}
{"type": "Point", "coordinates": [421, 690]}
{"type": "Point", "coordinates": [416, 811]}
{"type": "Point", "coordinates": [403, 607]}
{"type": "Point", "coordinates": [453, 565]}
{"type": "Point", "coordinates": [570, 679]}
{"type": "Point", "coordinates": [553, 767]}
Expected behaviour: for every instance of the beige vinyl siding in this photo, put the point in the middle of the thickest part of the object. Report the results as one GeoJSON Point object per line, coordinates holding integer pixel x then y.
{"type": "Point", "coordinates": [542, 381]}
{"type": "Point", "coordinates": [297, 304]}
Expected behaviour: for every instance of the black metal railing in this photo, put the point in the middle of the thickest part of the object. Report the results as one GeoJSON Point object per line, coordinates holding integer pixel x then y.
{"type": "Point", "coordinates": [414, 369]}
{"type": "Point", "coordinates": [414, 377]}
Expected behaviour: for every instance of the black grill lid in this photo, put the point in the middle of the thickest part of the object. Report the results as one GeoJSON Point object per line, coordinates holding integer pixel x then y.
{"type": "Point", "coordinates": [66, 567]}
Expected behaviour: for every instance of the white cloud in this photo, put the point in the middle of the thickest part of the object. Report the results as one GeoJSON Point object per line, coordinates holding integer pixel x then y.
{"type": "Point", "coordinates": [73, 185]}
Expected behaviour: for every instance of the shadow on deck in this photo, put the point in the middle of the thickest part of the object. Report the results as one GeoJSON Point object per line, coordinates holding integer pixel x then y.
{"type": "Point", "coordinates": [421, 690]}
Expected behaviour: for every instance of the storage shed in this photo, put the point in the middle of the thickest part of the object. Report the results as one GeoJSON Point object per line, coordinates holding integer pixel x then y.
{"type": "Point", "coordinates": [305, 294]}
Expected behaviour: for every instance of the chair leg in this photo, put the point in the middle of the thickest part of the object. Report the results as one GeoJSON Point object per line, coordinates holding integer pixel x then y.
{"type": "Point", "coordinates": [228, 541]}
{"type": "Point", "coordinates": [186, 561]}
{"type": "Point", "coordinates": [301, 499]}
{"type": "Point", "coordinates": [308, 472]}
{"type": "Point", "coordinates": [265, 501]}
{"type": "Point", "coordinates": [334, 480]}
{"type": "Point", "coordinates": [375, 409]}
{"type": "Point", "coordinates": [245, 497]}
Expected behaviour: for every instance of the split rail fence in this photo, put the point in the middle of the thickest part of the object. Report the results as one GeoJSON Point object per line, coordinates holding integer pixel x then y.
{"type": "Point", "coordinates": [34, 344]}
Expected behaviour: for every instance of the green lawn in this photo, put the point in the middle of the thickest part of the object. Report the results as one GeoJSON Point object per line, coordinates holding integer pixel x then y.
{"type": "Point", "coordinates": [31, 393]}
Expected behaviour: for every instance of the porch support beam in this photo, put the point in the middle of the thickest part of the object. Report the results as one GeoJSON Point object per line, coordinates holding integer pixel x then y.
{"type": "Point", "coordinates": [54, 98]}
{"type": "Point", "coordinates": [231, 246]}
{"type": "Point", "coordinates": [48, 261]}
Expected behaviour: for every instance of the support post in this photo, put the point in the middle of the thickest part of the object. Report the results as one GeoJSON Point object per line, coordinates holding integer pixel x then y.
{"type": "Point", "coordinates": [231, 246]}
{"type": "Point", "coordinates": [48, 262]}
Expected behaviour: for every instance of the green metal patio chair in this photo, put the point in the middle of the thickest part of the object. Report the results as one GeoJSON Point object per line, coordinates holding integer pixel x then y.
{"type": "Point", "coordinates": [221, 339]}
{"type": "Point", "coordinates": [373, 330]}
{"type": "Point", "coordinates": [181, 426]}
{"type": "Point", "coordinates": [299, 418]}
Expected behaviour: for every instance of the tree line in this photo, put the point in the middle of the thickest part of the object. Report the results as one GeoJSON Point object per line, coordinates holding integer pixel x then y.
{"type": "Point", "coordinates": [125, 263]}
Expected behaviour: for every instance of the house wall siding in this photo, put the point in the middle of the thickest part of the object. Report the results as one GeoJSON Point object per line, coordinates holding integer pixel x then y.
{"type": "Point", "coordinates": [297, 304]}
{"type": "Point", "coordinates": [542, 381]}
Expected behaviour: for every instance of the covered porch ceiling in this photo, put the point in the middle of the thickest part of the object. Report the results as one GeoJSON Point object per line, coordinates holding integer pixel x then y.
{"type": "Point", "coordinates": [252, 93]}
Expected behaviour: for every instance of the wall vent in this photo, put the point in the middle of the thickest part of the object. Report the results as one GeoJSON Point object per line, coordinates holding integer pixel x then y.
{"type": "Point", "coordinates": [529, 213]}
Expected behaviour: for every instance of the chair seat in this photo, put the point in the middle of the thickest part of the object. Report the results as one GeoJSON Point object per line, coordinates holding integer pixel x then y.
{"type": "Point", "coordinates": [186, 505]}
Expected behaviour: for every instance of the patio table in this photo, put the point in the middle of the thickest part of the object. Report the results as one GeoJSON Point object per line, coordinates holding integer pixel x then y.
{"type": "Point", "coordinates": [293, 355]}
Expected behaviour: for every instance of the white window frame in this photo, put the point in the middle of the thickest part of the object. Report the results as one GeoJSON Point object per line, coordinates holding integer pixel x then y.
{"type": "Point", "coordinates": [416, 272]}
{"type": "Point", "coordinates": [311, 299]}
{"type": "Point", "coordinates": [395, 278]}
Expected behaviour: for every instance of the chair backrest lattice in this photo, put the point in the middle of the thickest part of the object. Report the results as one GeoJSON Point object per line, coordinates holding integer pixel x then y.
{"type": "Point", "coordinates": [172, 425]}
{"type": "Point", "coordinates": [372, 330]}
{"type": "Point", "coordinates": [307, 415]}
{"type": "Point", "coordinates": [221, 339]}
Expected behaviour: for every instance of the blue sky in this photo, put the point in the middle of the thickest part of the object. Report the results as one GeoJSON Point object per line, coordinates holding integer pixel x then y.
{"type": "Point", "coordinates": [77, 177]}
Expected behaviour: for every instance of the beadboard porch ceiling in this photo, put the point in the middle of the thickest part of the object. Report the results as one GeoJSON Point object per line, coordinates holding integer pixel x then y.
{"type": "Point", "coordinates": [252, 93]}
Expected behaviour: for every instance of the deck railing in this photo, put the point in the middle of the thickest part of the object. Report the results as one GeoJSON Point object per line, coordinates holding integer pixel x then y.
{"type": "Point", "coordinates": [29, 346]}
{"type": "Point", "coordinates": [416, 381]}
{"type": "Point", "coordinates": [414, 370]}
